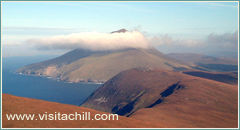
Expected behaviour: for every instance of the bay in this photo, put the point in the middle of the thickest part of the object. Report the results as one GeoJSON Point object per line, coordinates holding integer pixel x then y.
{"type": "Point", "coordinates": [44, 88]}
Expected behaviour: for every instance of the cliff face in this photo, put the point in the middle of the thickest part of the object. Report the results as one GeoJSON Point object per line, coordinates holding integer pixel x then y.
{"type": "Point", "coordinates": [179, 100]}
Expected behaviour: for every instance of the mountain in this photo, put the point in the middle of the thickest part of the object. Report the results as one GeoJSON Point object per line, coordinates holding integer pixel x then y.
{"type": "Point", "coordinates": [173, 99]}
{"type": "Point", "coordinates": [120, 31]}
{"type": "Point", "coordinates": [225, 77]}
{"type": "Point", "coordinates": [207, 63]}
{"type": "Point", "coordinates": [98, 66]}
{"type": "Point", "coordinates": [200, 58]}
{"type": "Point", "coordinates": [20, 105]}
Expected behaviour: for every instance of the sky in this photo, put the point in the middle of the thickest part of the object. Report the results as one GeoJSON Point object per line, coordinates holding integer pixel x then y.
{"type": "Point", "coordinates": [53, 28]}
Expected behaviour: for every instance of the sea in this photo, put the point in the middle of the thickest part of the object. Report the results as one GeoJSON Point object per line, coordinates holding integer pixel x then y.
{"type": "Point", "coordinates": [42, 87]}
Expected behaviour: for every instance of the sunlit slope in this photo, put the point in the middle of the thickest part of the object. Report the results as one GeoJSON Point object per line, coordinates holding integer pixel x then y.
{"type": "Point", "coordinates": [101, 66]}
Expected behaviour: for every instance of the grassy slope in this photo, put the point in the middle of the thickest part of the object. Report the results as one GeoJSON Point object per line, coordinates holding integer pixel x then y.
{"type": "Point", "coordinates": [101, 67]}
{"type": "Point", "coordinates": [197, 103]}
{"type": "Point", "coordinates": [105, 67]}
{"type": "Point", "coordinates": [201, 105]}
{"type": "Point", "coordinates": [19, 105]}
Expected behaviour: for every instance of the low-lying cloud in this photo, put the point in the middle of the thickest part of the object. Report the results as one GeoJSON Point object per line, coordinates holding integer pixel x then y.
{"type": "Point", "coordinates": [224, 45]}
{"type": "Point", "coordinates": [166, 40]}
{"type": "Point", "coordinates": [214, 44]}
{"type": "Point", "coordinates": [229, 40]}
{"type": "Point", "coordinates": [92, 41]}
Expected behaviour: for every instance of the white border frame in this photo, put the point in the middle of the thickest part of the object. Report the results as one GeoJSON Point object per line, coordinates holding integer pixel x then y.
{"type": "Point", "coordinates": [122, 1]}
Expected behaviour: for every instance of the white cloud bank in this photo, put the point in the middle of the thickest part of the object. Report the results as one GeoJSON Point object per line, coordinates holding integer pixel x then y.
{"type": "Point", "coordinates": [92, 41]}
{"type": "Point", "coordinates": [214, 44]}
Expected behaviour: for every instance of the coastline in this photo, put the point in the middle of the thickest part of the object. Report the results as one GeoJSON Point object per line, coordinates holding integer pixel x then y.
{"type": "Point", "coordinates": [58, 79]}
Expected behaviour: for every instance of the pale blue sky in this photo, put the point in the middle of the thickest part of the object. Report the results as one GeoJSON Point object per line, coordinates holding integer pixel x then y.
{"type": "Point", "coordinates": [189, 20]}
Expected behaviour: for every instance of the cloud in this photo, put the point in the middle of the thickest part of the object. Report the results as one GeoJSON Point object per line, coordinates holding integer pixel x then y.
{"type": "Point", "coordinates": [166, 40]}
{"type": "Point", "coordinates": [229, 40]}
{"type": "Point", "coordinates": [224, 45]}
{"type": "Point", "coordinates": [92, 41]}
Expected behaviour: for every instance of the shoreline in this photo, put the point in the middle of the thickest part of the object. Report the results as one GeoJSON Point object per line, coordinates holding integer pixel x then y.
{"type": "Point", "coordinates": [57, 79]}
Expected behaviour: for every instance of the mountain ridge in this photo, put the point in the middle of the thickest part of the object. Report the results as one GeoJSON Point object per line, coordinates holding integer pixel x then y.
{"type": "Point", "coordinates": [99, 66]}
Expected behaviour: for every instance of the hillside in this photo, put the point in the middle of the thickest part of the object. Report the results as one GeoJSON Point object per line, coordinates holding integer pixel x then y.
{"type": "Point", "coordinates": [225, 77]}
{"type": "Point", "coordinates": [99, 66]}
{"type": "Point", "coordinates": [171, 98]}
{"type": "Point", "coordinates": [207, 63]}
{"type": "Point", "coordinates": [19, 105]}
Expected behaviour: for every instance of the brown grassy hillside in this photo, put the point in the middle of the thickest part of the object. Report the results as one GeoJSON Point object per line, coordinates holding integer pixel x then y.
{"type": "Point", "coordinates": [171, 98]}
{"type": "Point", "coordinates": [19, 105]}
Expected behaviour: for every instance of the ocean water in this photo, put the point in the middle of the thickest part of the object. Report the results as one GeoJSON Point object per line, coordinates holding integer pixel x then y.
{"type": "Point", "coordinates": [42, 87]}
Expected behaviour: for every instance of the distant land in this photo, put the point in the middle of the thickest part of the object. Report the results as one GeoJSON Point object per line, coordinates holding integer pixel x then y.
{"type": "Point", "coordinates": [99, 66]}
{"type": "Point", "coordinates": [207, 63]}
{"type": "Point", "coordinates": [82, 65]}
